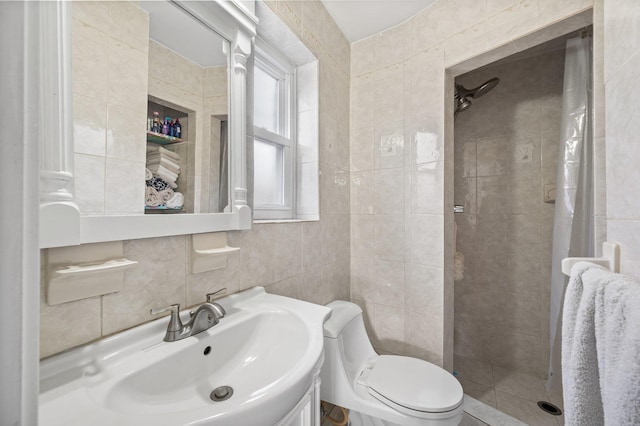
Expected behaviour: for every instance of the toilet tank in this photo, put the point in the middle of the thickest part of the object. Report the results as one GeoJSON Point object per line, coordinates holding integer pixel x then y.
{"type": "Point", "coordinates": [344, 332]}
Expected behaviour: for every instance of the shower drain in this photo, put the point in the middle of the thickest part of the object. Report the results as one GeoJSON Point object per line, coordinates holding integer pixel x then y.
{"type": "Point", "coordinates": [549, 408]}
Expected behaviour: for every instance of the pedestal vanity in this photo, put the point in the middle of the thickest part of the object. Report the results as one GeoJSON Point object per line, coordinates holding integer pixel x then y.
{"type": "Point", "coordinates": [258, 366]}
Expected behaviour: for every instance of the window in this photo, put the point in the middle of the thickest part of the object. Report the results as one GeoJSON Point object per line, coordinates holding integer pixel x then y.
{"type": "Point", "coordinates": [274, 147]}
{"type": "Point", "coordinates": [286, 116]}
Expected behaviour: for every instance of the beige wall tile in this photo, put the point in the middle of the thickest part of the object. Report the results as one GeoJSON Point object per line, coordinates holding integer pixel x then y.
{"type": "Point", "coordinates": [122, 195]}
{"type": "Point", "coordinates": [126, 134]}
{"type": "Point", "coordinates": [199, 285]}
{"type": "Point", "coordinates": [69, 324]}
{"type": "Point", "coordinates": [423, 337]}
{"type": "Point", "coordinates": [127, 76]}
{"type": "Point", "coordinates": [88, 183]}
{"type": "Point", "coordinates": [89, 125]}
{"type": "Point", "coordinates": [389, 195]}
{"type": "Point", "coordinates": [427, 239]}
{"type": "Point", "coordinates": [90, 60]}
{"type": "Point", "coordinates": [389, 329]}
{"type": "Point", "coordinates": [157, 281]}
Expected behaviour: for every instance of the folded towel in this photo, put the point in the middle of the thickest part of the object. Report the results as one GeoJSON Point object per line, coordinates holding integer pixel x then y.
{"type": "Point", "coordinates": [600, 347]}
{"type": "Point", "coordinates": [170, 165]}
{"type": "Point", "coordinates": [155, 149]}
{"type": "Point", "coordinates": [165, 174]}
{"type": "Point", "coordinates": [151, 197]}
{"type": "Point", "coordinates": [147, 174]}
{"type": "Point", "coordinates": [166, 195]}
{"type": "Point", "coordinates": [153, 156]}
{"type": "Point", "coordinates": [176, 201]}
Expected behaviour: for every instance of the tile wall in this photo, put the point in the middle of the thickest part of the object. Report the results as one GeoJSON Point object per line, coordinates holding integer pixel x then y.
{"type": "Point", "coordinates": [506, 150]}
{"type": "Point", "coordinates": [308, 260]}
{"type": "Point", "coordinates": [621, 72]}
{"type": "Point", "coordinates": [110, 46]}
{"type": "Point", "coordinates": [402, 158]}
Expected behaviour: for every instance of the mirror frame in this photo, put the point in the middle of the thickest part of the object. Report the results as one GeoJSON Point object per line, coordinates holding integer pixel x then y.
{"type": "Point", "coordinates": [61, 223]}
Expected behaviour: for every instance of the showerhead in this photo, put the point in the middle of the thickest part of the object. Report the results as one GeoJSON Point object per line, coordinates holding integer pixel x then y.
{"type": "Point", "coordinates": [463, 104]}
{"type": "Point", "coordinates": [485, 87]}
{"type": "Point", "coordinates": [463, 95]}
{"type": "Point", "coordinates": [462, 92]}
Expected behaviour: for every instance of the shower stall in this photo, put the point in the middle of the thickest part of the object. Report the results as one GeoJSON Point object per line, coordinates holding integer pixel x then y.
{"type": "Point", "coordinates": [507, 149]}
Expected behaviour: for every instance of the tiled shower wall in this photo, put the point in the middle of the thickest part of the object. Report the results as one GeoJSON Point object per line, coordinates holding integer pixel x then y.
{"type": "Point", "coordinates": [402, 158]}
{"type": "Point", "coordinates": [308, 260]}
{"type": "Point", "coordinates": [506, 150]}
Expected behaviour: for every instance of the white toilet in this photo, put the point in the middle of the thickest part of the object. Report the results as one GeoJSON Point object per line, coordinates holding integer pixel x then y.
{"type": "Point", "coordinates": [383, 389]}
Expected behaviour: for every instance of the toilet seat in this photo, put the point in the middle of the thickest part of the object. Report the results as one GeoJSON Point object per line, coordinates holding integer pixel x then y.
{"type": "Point", "coordinates": [412, 386]}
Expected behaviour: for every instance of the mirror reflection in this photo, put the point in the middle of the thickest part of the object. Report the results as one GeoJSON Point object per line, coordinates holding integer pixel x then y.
{"type": "Point", "coordinates": [151, 110]}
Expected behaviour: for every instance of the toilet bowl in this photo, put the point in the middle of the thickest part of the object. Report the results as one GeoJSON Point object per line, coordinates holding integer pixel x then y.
{"type": "Point", "coordinates": [386, 389]}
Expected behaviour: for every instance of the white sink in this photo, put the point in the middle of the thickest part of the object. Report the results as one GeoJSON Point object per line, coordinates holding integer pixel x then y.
{"type": "Point", "coordinates": [267, 348]}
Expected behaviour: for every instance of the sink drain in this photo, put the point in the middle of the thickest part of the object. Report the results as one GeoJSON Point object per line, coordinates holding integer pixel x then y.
{"type": "Point", "coordinates": [548, 407]}
{"type": "Point", "coordinates": [221, 394]}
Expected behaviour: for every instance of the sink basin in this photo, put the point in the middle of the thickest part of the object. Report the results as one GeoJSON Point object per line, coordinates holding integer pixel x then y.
{"type": "Point", "coordinates": [267, 349]}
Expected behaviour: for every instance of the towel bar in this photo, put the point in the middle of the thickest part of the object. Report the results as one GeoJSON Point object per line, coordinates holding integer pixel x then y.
{"type": "Point", "coordinates": [610, 259]}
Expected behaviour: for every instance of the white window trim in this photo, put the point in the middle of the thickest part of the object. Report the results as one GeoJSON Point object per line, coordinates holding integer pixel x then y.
{"type": "Point", "coordinates": [275, 64]}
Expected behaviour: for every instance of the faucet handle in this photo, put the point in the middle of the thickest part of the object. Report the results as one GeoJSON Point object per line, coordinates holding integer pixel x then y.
{"type": "Point", "coordinates": [175, 324]}
{"type": "Point", "coordinates": [210, 296]}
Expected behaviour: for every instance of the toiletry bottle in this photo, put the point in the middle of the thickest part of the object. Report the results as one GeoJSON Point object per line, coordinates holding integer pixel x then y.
{"type": "Point", "coordinates": [177, 129]}
{"type": "Point", "coordinates": [157, 126]}
{"type": "Point", "coordinates": [165, 126]}
{"type": "Point", "coordinates": [172, 129]}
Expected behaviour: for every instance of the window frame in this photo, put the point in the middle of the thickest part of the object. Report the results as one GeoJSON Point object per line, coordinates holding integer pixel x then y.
{"type": "Point", "coordinates": [272, 62]}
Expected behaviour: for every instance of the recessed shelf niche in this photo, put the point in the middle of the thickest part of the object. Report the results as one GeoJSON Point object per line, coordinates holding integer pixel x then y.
{"type": "Point", "coordinates": [178, 161]}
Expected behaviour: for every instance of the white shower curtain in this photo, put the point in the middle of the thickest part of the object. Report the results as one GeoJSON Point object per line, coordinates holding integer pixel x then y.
{"type": "Point", "coordinates": [573, 222]}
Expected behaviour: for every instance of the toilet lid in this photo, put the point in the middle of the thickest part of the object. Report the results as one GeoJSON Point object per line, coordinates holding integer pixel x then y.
{"type": "Point", "coordinates": [413, 384]}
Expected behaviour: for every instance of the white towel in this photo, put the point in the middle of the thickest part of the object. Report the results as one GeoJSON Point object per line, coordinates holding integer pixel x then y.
{"type": "Point", "coordinates": [176, 201]}
{"type": "Point", "coordinates": [155, 149]}
{"type": "Point", "coordinates": [162, 155]}
{"type": "Point", "coordinates": [151, 197]}
{"type": "Point", "coordinates": [580, 378]}
{"type": "Point", "coordinates": [168, 153]}
{"type": "Point", "coordinates": [165, 174]}
{"type": "Point", "coordinates": [601, 348]}
{"type": "Point", "coordinates": [147, 174]}
{"type": "Point", "coordinates": [618, 346]}
{"type": "Point", "coordinates": [165, 195]}
{"type": "Point", "coordinates": [153, 164]}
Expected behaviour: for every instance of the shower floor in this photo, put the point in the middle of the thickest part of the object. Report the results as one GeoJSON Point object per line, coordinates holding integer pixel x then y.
{"type": "Point", "coordinates": [512, 392]}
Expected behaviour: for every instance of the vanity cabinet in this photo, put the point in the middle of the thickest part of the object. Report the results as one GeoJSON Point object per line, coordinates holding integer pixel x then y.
{"type": "Point", "coordinates": [307, 411]}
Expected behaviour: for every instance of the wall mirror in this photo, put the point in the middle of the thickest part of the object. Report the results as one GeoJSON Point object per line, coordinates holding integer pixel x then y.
{"type": "Point", "coordinates": [148, 131]}
{"type": "Point", "coordinates": [187, 114]}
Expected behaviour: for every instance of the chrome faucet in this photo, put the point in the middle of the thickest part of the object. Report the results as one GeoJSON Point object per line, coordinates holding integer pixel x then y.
{"type": "Point", "coordinates": [210, 299]}
{"type": "Point", "coordinates": [206, 316]}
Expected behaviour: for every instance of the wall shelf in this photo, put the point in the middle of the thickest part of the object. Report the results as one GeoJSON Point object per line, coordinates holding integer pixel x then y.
{"type": "Point", "coordinates": [210, 252]}
{"type": "Point", "coordinates": [161, 139]}
{"type": "Point", "coordinates": [90, 270]}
